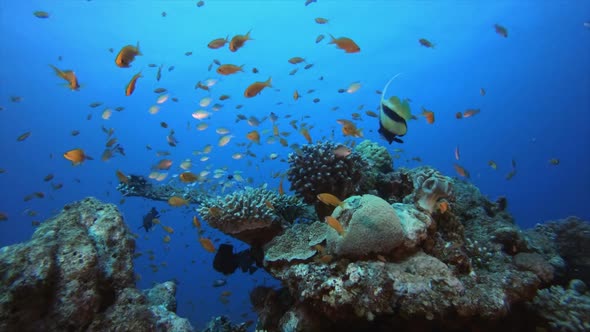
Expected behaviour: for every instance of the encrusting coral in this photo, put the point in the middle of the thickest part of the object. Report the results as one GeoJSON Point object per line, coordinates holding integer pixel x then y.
{"type": "Point", "coordinates": [252, 215]}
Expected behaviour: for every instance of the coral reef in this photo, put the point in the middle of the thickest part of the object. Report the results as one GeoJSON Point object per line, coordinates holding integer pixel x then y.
{"type": "Point", "coordinates": [430, 186]}
{"type": "Point", "coordinates": [379, 163]}
{"type": "Point", "coordinates": [223, 324]}
{"type": "Point", "coordinates": [371, 226]}
{"type": "Point", "coordinates": [297, 243]}
{"type": "Point", "coordinates": [564, 309]}
{"type": "Point", "coordinates": [566, 243]}
{"type": "Point", "coordinates": [317, 169]}
{"type": "Point", "coordinates": [378, 158]}
{"type": "Point", "coordinates": [469, 262]}
{"type": "Point", "coordinates": [429, 253]}
{"type": "Point", "coordinates": [75, 270]}
{"type": "Point", "coordinates": [252, 215]}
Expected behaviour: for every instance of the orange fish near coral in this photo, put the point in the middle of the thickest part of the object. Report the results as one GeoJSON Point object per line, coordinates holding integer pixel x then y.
{"type": "Point", "coordinates": [207, 244]}
{"type": "Point", "coordinates": [346, 44]}
{"type": "Point", "coordinates": [188, 177]}
{"type": "Point", "coordinates": [69, 76]}
{"type": "Point", "coordinates": [329, 199]}
{"type": "Point", "coordinates": [122, 177]}
{"type": "Point", "coordinates": [306, 134]}
{"type": "Point", "coordinates": [461, 171]}
{"type": "Point", "coordinates": [76, 156]}
{"type": "Point", "coordinates": [131, 85]}
{"type": "Point", "coordinates": [238, 41]}
{"type": "Point", "coordinates": [126, 56]}
{"type": "Point", "coordinates": [176, 201]}
{"type": "Point", "coordinates": [196, 222]}
{"type": "Point", "coordinates": [256, 87]}
{"type": "Point", "coordinates": [335, 224]}
{"type": "Point", "coordinates": [349, 128]}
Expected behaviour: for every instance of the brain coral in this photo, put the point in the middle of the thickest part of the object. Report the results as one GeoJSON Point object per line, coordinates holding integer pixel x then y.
{"type": "Point", "coordinates": [251, 215]}
{"type": "Point", "coordinates": [371, 226]}
{"type": "Point", "coordinates": [317, 169]}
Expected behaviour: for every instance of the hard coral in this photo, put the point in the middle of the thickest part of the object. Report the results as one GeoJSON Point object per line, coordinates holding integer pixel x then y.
{"type": "Point", "coordinates": [317, 169]}
{"type": "Point", "coordinates": [296, 243]}
{"type": "Point", "coordinates": [371, 226]}
{"type": "Point", "coordinates": [429, 187]}
{"type": "Point", "coordinates": [376, 155]}
{"type": "Point", "coordinates": [254, 216]}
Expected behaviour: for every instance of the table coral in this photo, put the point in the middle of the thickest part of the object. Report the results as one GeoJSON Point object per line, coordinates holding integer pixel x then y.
{"type": "Point", "coordinates": [252, 215]}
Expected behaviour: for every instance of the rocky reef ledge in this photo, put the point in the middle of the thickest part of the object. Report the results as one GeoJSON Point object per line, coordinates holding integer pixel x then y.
{"type": "Point", "coordinates": [76, 274]}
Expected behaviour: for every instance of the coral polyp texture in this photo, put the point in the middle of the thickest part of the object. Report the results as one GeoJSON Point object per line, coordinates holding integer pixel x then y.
{"type": "Point", "coordinates": [371, 226]}
{"type": "Point", "coordinates": [430, 186]}
{"type": "Point", "coordinates": [318, 169]}
{"type": "Point", "coordinates": [252, 215]}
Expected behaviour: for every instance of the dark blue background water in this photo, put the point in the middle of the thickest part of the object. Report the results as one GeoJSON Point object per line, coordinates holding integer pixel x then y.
{"type": "Point", "coordinates": [537, 105]}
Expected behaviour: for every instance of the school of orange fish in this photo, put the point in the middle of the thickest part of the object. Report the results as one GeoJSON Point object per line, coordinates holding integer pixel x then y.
{"type": "Point", "coordinates": [217, 179]}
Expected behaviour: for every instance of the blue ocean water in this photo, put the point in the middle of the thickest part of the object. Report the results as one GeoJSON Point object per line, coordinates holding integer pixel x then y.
{"type": "Point", "coordinates": [536, 107]}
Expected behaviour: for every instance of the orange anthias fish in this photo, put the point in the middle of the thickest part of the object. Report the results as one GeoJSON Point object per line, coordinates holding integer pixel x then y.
{"type": "Point", "coordinates": [69, 76]}
{"type": "Point", "coordinates": [218, 43]}
{"type": "Point", "coordinates": [228, 69]}
{"type": "Point", "coordinates": [207, 244]}
{"type": "Point", "coordinates": [349, 128]}
{"type": "Point", "coordinates": [346, 44]}
{"type": "Point", "coordinates": [188, 177]}
{"type": "Point", "coordinates": [196, 222]}
{"type": "Point", "coordinates": [126, 56]}
{"type": "Point", "coordinates": [305, 134]}
{"type": "Point", "coordinates": [281, 190]}
{"type": "Point", "coordinates": [329, 199]}
{"type": "Point", "coordinates": [255, 88]}
{"type": "Point", "coordinates": [238, 41]}
{"type": "Point", "coordinates": [122, 177]}
{"type": "Point", "coordinates": [76, 156]}
{"type": "Point", "coordinates": [176, 201]}
{"type": "Point", "coordinates": [429, 115]}
{"type": "Point", "coordinates": [335, 224]}
{"type": "Point", "coordinates": [131, 85]}
{"type": "Point", "coordinates": [461, 171]}
{"type": "Point", "coordinates": [254, 136]}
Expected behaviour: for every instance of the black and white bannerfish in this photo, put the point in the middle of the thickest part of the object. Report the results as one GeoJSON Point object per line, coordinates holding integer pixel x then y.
{"type": "Point", "coordinates": [393, 114]}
